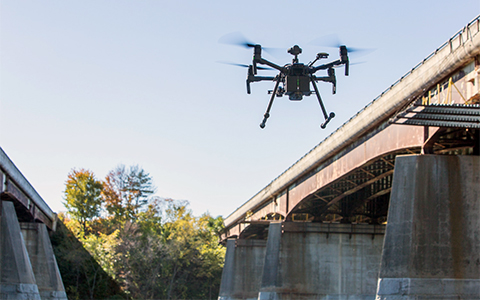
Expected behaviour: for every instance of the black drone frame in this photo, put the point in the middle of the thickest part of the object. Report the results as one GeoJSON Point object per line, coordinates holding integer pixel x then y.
{"type": "Point", "coordinates": [296, 77]}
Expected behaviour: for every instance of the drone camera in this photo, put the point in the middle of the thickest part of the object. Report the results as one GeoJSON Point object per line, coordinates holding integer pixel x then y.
{"type": "Point", "coordinates": [296, 96]}
{"type": "Point", "coordinates": [295, 50]}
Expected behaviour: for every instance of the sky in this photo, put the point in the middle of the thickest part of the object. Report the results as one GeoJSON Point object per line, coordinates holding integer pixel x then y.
{"type": "Point", "coordinates": [95, 84]}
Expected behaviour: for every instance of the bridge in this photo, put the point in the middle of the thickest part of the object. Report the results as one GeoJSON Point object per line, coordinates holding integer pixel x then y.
{"type": "Point", "coordinates": [28, 268]}
{"type": "Point", "coordinates": [386, 207]}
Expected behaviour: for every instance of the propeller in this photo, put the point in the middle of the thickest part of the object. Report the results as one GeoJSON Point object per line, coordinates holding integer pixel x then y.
{"type": "Point", "coordinates": [333, 41]}
{"type": "Point", "coordinates": [351, 64]}
{"type": "Point", "coordinates": [238, 39]}
{"type": "Point", "coordinates": [243, 65]}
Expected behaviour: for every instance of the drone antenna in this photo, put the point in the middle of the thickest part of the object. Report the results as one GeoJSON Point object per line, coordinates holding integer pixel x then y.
{"type": "Point", "coordinates": [319, 56]}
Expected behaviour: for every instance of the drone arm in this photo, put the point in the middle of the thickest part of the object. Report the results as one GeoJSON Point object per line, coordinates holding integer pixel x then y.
{"type": "Point", "coordinates": [327, 117]}
{"type": "Point", "coordinates": [330, 78]}
{"type": "Point", "coordinates": [261, 78]}
{"type": "Point", "coordinates": [270, 64]}
{"type": "Point", "coordinates": [253, 78]}
{"type": "Point", "coordinates": [328, 66]}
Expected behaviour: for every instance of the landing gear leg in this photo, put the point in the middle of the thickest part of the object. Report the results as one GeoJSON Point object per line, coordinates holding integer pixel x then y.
{"type": "Point", "coordinates": [327, 117]}
{"type": "Point", "coordinates": [267, 113]}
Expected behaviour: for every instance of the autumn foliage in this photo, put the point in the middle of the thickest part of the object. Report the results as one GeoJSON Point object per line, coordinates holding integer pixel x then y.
{"type": "Point", "coordinates": [149, 247]}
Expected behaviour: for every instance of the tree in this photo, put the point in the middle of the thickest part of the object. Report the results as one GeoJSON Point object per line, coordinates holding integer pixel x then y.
{"type": "Point", "coordinates": [126, 191]}
{"type": "Point", "coordinates": [83, 196]}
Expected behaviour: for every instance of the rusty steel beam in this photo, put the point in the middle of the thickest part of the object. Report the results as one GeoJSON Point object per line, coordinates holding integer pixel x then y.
{"type": "Point", "coordinates": [378, 194]}
{"type": "Point", "coordinates": [358, 187]}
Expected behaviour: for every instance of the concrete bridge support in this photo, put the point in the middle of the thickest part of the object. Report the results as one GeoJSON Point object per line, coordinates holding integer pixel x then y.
{"type": "Point", "coordinates": [43, 261]}
{"type": "Point", "coordinates": [18, 280]}
{"type": "Point", "coordinates": [321, 261]}
{"type": "Point", "coordinates": [28, 266]}
{"type": "Point", "coordinates": [432, 241]}
{"type": "Point", "coordinates": [242, 272]}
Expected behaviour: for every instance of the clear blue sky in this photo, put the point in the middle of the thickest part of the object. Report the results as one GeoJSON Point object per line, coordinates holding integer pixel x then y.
{"type": "Point", "coordinates": [94, 84]}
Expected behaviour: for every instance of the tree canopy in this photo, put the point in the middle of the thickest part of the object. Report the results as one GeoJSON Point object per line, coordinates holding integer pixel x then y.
{"type": "Point", "coordinates": [153, 247]}
{"type": "Point", "coordinates": [83, 195]}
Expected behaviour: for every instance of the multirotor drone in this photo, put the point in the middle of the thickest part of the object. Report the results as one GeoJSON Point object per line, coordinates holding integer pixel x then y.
{"type": "Point", "coordinates": [294, 79]}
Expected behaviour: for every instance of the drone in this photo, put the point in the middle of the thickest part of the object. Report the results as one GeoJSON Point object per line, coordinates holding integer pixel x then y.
{"type": "Point", "coordinates": [294, 79]}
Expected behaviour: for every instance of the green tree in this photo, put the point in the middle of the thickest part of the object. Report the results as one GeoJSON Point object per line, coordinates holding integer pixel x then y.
{"type": "Point", "coordinates": [83, 196]}
{"type": "Point", "coordinates": [126, 191]}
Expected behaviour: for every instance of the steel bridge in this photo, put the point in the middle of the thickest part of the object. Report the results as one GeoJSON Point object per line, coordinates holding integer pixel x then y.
{"type": "Point", "coordinates": [347, 178]}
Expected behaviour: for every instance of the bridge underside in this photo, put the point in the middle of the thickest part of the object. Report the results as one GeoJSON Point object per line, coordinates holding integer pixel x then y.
{"type": "Point", "coordinates": [362, 194]}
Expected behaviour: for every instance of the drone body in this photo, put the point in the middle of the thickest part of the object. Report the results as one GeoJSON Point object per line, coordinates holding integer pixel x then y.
{"type": "Point", "coordinates": [294, 79]}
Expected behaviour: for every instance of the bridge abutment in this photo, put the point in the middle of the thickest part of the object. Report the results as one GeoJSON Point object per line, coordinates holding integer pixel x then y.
{"type": "Point", "coordinates": [432, 241]}
{"type": "Point", "coordinates": [28, 266]}
{"type": "Point", "coordinates": [242, 272]}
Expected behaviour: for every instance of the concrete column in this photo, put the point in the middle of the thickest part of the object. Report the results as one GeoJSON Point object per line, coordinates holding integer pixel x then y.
{"type": "Point", "coordinates": [270, 267]}
{"type": "Point", "coordinates": [227, 283]}
{"type": "Point", "coordinates": [44, 264]}
{"type": "Point", "coordinates": [242, 272]}
{"type": "Point", "coordinates": [322, 261]}
{"type": "Point", "coordinates": [432, 242]}
{"type": "Point", "coordinates": [18, 280]}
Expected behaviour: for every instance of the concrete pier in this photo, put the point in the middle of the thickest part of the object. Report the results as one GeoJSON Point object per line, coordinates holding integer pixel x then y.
{"type": "Point", "coordinates": [242, 272]}
{"type": "Point", "coordinates": [18, 280]}
{"type": "Point", "coordinates": [44, 264]}
{"type": "Point", "coordinates": [432, 241]}
{"type": "Point", "coordinates": [28, 266]}
{"type": "Point", "coordinates": [322, 261]}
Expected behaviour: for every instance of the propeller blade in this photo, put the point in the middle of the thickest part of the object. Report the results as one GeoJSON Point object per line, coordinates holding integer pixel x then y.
{"type": "Point", "coordinates": [333, 41]}
{"type": "Point", "coordinates": [243, 65]}
{"type": "Point", "coordinates": [236, 39]}
{"type": "Point", "coordinates": [329, 40]}
{"type": "Point", "coordinates": [351, 64]}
